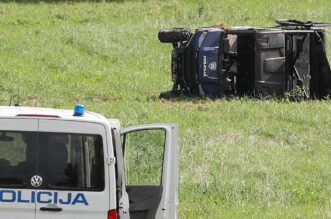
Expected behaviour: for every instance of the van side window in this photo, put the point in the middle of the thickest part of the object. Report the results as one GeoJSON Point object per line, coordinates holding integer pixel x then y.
{"type": "Point", "coordinates": [72, 161]}
{"type": "Point", "coordinates": [12, 148]}
{"type": "Point", "coordinates": [17, 157]}
{"type": "Point", "coordinates": [64, 161]}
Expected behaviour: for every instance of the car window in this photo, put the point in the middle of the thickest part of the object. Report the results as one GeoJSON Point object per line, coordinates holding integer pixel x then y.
{"type": "Point", "coordinates": [144, 157]}
{"type": "Point", "coordinates": [64, 161]}
{"type": "Point", "coordinates": [71, 160]}
{"type": "Point", "coordinates": [17, 157]}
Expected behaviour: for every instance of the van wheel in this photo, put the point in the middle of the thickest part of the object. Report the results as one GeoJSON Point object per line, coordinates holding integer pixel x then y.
{"type": "Point", "coordinates": [175, 35]}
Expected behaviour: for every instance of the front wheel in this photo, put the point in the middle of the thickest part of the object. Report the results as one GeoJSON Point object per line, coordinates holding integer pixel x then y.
{"type": "Point", "coordinates": [175, 35]}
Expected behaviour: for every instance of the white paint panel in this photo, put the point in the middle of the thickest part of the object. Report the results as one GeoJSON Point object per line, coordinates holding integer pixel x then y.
{"type": "Point", "coordinates": [65, 126]}
{"type": "Point", "coordinates": [16, 203]}
{"type": "Point", "coordinates": [97, 207]}
{"type": "Point", "coordinates": [19, 124]}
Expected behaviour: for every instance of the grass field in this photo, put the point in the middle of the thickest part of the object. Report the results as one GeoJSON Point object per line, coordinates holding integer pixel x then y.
{"type": "Point", "coordinates": [239, 159]}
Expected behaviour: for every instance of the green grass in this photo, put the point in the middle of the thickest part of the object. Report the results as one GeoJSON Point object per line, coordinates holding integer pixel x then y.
{"type": "Point", "coordinates": [238, 159]}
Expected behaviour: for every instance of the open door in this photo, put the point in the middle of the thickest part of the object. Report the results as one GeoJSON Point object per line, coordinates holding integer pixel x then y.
{"type": "Point", "coordinates": [151, 170]}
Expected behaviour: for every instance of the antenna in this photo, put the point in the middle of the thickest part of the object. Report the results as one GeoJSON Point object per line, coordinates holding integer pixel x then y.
{"type": "Point", "coordinates": [18, 99]}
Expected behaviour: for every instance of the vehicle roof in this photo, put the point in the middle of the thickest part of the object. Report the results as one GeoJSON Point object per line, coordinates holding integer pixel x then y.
{"type": "Point", "coordinates": [31, 112]}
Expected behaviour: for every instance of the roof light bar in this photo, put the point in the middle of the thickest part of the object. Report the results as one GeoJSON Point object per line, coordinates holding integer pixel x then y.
{"type": "Point", "coordinates": [79, 110]}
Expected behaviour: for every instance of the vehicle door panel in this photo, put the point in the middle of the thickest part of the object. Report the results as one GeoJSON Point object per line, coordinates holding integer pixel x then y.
{"type": "Point", "coordinates": [144, 200]}
{"type": "Point", "coordinates": [94, 207]}
{"type": "Point", "coordinates": [151, 186]}
{"type": "Point", "coordinates": [77, 202]}
{"type": "Point", "coordinates": [16, 201]}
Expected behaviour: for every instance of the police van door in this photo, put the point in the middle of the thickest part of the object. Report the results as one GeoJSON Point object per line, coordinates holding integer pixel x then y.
{"type": "Point", "coordinates": [151, 169]}
{"type": "Point", "coordinates": [72, 166]}
{"type": "Point", "coordinates": [17, 166]}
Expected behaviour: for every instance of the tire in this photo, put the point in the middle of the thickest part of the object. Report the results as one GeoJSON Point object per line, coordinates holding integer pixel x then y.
{"type": "Point", "coordinates": [175, 35]}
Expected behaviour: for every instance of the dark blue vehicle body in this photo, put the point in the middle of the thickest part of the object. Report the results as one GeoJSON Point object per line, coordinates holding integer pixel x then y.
{"type": "Point", "coordinates": [207, 42]}
{"type": "Point", "coordinates": [199, 63]}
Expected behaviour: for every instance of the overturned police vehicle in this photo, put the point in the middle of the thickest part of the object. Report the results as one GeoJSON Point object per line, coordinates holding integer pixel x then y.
{"type": "Point", "coordinates": [219, 61]}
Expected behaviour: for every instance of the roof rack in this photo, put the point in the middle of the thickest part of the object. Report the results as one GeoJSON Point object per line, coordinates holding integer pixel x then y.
{"type": "Point", "coordinates": [298, 24]}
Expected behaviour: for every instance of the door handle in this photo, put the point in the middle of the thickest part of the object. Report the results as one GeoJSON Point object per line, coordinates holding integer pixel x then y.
{"type": "Point", "coordinates": [53, 208]}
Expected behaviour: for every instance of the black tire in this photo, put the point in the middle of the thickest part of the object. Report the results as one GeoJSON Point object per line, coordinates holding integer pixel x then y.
{"type": "Point", "coordinates": [175, 35]}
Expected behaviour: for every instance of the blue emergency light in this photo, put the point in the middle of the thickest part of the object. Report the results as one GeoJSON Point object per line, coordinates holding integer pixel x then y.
{"type": "Point", "coordinates": [79, 110]}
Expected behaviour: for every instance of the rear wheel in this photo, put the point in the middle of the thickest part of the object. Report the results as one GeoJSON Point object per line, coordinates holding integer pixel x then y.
{"type": "Point", "coordinates": [175, 35]}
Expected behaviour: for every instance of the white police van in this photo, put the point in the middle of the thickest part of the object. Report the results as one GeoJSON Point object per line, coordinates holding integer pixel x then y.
{"type": "Point", "coordinates": [75, 164]}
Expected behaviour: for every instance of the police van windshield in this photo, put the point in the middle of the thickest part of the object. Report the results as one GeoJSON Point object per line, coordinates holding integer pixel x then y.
{"type": "Point", "coordinates": [62, 160]}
